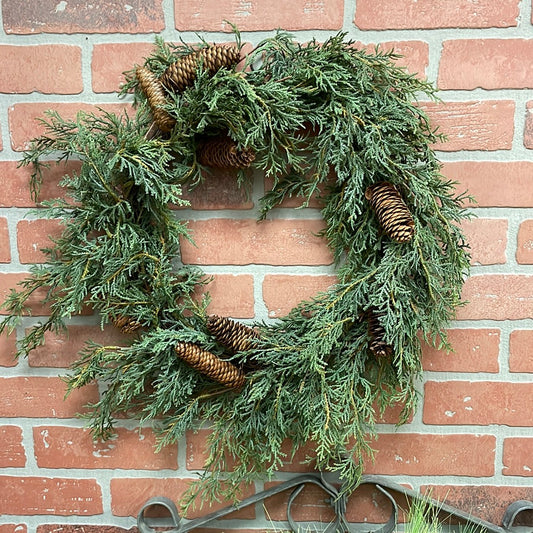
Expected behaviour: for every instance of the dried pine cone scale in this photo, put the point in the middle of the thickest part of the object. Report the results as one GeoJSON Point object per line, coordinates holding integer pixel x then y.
{"type": "Point", "coordinates": [222, 152]}
{"type": "Point", "coordinates": [210, 365]}
{"type": "Point", "coordinates": [234, 336]}
{"type": "Point", "coordinates": [182, 73]}
{"type": "Point", "coordinates": [155, 95]}
{"type": "Point", "coordinates": [392, 212]}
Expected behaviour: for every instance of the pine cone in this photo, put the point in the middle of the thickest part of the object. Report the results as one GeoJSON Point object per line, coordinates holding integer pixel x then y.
{"type": "Point", "coordinates": [210, 365]}
{"type": "Point", "coordinates": [126, 324]}
{"type": "Point", "coordinates": [182, 73]}
{"type": "Point", "coordinates": [234, 336]}
{"type": "Point", "coordinates": [155, 94]}
{"type": "Point", "coordinates": [222, 152]}
{"type": "Point", "coordinates": [393, 215]}
{"type": "Point", "coordinates": [376, 332]}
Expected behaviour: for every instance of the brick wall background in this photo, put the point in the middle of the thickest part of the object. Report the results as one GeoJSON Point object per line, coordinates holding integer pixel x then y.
{"type": "Point", "coordinates": [471, 440]}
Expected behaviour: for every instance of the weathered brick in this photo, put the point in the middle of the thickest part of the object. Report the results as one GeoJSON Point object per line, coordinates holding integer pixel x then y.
{"type": "Point", "coordinates": [8, 349]}
{"type": "Point", "coordinates": [46, 68]}
{"type": "Point", "coordinates": [520, 353]}
{"type": "Point", "coordinates": [218, 190]}
{"type": "Point", "coordinates": [518, 456]}
{"type": "Point", "coordinates": [271, 242]}
{"type": "Point", "coordinates": [494, 183]}
{"type": "Point", "coordinates": [413, 14]}
{"type": "Point", "coordinates": [232, 295]}
{"type": "Point", "coordinates": [49, 496]}
{"type": "Point", "coordinates": [128, 495]}
{"type": "Point", "coordinates": [37, 397]}
{"type": "Point", "coordinates": [497, 297]}
{"type": "Point", "coordinates": [24, 126]}
{"type": "Point", "coordinates": [111, 60]}
{"type": "Point", "coordinates": [486, 501]}
{"type": "Point", "coordinates": [84, 528]}
{"type": "Point", "coordinates": [486, 63]}
{"type": "Point", "coordinates": [83, 16]}
{"type": "Point", "coordinates": [414, 55]}
{"type": "Point", "coordinates": [487, 239]}
{"type": "Point", "coordinates": [524, 249]}
{"type": "Point", "coordinates": [258, 15]}
{"type": "Point", "coordinates": [282, 292]}
{"type": "Point", "coordinates": [61, 350]}
{"type": "Point", "coordinates": [478, 403]}
{"type": "Point", "coordinates": [68, 447]}
{"type": "Point", "coordinates": [528, 128]}
{"type": "Point", "coordinates": [13, 528]}
{"type": "Point", "coordinates": [5, 250]}
{"type": "Point", "coordinates": [477, 125]}
{"type": "Point", "coordinates": [9, 281]}
{"type": "Point", "coordinates": [475, 350]}
{"type": "Point", "coordinates": [433, 455]}
{"type": "Point", "coordinates": [15, 183]}
{"type": "Point", "coordinates": [12, 453]}
{"type": "Point", "coordinates": [33, 236]}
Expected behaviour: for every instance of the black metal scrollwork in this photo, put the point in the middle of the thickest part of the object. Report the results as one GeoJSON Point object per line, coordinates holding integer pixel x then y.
{"type": "Point", "coordinates": [336, 500]}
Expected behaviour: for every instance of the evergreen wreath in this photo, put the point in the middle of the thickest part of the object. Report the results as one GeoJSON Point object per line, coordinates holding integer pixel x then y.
{"type": "Point", "coordinates": [321, 119]}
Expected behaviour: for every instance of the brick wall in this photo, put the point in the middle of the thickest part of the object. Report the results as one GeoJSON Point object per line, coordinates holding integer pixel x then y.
{"type": "Point", "coordinates": [472, 438]}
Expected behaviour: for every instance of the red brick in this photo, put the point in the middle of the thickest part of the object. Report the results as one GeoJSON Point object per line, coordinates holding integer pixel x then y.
{"type": "Point", "coordinates": [24, 126]}
{"type": "Point", "coordinates": [5, 250]}
{"type": "Point", "coordinates": [232, 295]}
{"type": "Point", "coordinates": [486, 63]}
{"type": "Point", "coordinates": [528, 129]}
{"type": "Point", "coordinates": [15, 183]}
{"type": "Point", "coordinates": [422, 14]}
{"type": "Point", "coordinates": [85, 528]}
{"type": "Point", "coordinates": [478, 125]}
{"type": "Point", "coordinates": [128, 495]}
{"type": "Point", "coordinates": [46, 68]}
{"type": "Point", "coordinates": [494, 183]}
{"type": "Point", "coordinates": [49, 496]}
{"type": "Point", "coordinates": [13, 528]}
{"type": "Point", "coordinates": [475, 350]}
{"type": "Point", "coordinates": [38, 397]}
{"type": "Point", "coordinates": [478, 403]}
{"type": "Point", "coordinates": [219, 190]}
{"type": "Point", "coordinates": [12, 453]}
{"type": "Point", "coordinates": [283, 292]}
{"type": "Point", "coordinates": [271, 242]}
{"type": "Point", "coordinates": [61, 350]}
{"type": "Point", "coordinates": [8, 349]}
{"type": "Point", "coordinates": [518, 456]}
{"type": "Point", "coordinates": [366, 505]}
{"type": "Point", "coordinates": [68, 447]}
{"type": "Point", "coordinates": [259, 15]}
{"type": "Point", "coordinates": [9, 281]}
{"type": "Point", "coordinates": [414, 55]}
{"type": "Point", "coordinates": [487, 239]}
{"type": "Point", "coordinates": [524, 250]}
{"type": "Point", "coordinates": [33, 236]}
{"type": "Point", "coordinates": [497, 297]}
{"type": "Point", "coordinates": [108, 16]}
{"type": "Point", "coordinates": [484, 501]}
{"type": "Point", "coordinates": [111, 60]}
{"type": "Point", "coordinates": [520, 354]}
{"type": "Point", "coordinates": [433, 455]}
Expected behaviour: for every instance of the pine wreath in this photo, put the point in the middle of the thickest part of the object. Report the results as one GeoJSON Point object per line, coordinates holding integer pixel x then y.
{"type": "Point", "coordinates": [299, 114]}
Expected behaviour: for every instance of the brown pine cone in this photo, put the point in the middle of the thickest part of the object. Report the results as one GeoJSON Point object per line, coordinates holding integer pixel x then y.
{"type": "Point", "coordinates": [182, 73]}
{"type": "Point", "coordinates": [234, 336]}
{"type": "Point", "coordinates": [126, 324]}
{"type": "Point", "coordinates": [222, 152]}
{"type": "Point", "coordinates": [393, 215]}
{"type": "Point", "coordinates": [210, 365]}
{"type": "Point", "coordinates": [155, 95]}
{"type": "Point", "coordinates": [376, 332]}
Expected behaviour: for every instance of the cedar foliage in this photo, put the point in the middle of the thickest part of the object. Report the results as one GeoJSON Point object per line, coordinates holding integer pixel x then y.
{"type": "Point", "coordinates": [323, 119]}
